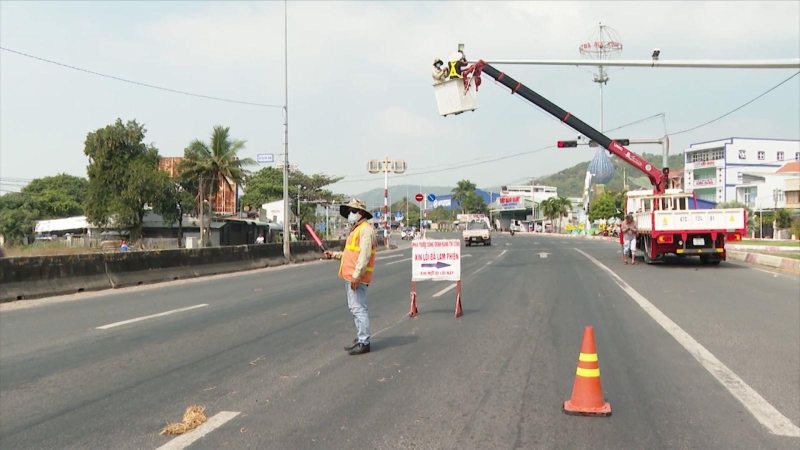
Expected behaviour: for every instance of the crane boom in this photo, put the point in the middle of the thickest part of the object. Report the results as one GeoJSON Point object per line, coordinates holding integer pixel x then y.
{"type": "Point", "coordinates": [657, 178]}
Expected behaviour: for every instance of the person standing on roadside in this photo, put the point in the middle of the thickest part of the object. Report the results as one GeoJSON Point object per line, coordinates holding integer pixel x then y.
{"type": "Point", "coordinates": [629, 233]}
{"type": "Point", "coordinates": [124, 247]}
{"type": "Point", "coordinates": [356, 268]}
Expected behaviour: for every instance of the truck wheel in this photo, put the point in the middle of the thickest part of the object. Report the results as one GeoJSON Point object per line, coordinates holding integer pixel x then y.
{"type": "Point", "coordinates": [709, 259]}
{"type": "Point", "coordinates": [489, 242]}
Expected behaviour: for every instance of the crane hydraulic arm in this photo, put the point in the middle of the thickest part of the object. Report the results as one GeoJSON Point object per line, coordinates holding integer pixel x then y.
{"type": "Point", "coordinates": [657, 178]}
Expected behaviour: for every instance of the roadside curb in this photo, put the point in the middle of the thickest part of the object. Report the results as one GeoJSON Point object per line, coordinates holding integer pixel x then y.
{"type": "Point", "coordinates": [777, 262]}
{"type": "Point", "coordinates": [764, 248]}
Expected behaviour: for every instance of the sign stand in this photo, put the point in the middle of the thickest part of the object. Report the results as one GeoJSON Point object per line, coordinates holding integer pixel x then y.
{"type": "Point", "coordinates": [439, 260]}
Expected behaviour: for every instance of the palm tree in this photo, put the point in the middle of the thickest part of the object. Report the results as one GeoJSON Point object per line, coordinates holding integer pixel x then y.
{"type": "Point", "coordinates": [549, 208]}
{"type": "Point", "coordinates": [462, 189]}
{"type": "Point", "coordinates": [562, 208]}
{"type": "Point", "coordinates": [210, 164]}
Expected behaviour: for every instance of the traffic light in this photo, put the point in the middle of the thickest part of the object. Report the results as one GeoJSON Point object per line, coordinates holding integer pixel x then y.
{"type": "Point", "coordinates": [564, 144]}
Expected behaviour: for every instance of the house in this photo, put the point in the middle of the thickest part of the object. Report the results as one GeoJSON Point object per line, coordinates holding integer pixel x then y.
{"type": "Point", "coordinates": [714, 169]}
{"type": "Point", "coordinates": [224, 201]}
{"type": "Point", "coordinates": [767, 190]}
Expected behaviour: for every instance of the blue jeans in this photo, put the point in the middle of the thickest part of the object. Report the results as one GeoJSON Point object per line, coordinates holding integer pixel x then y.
{"type": "Point", "coordinates": [357, 302]}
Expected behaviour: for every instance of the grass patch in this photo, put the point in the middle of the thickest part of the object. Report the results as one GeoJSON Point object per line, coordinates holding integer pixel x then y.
{"type": "Point", "coordinates": [780, 254]}
{"type": "Point", "coordinates": [771, 243]}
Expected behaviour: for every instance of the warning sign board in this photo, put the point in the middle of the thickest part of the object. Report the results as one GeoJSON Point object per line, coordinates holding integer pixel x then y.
{"type": "Point", "coordinates": [436, 259]}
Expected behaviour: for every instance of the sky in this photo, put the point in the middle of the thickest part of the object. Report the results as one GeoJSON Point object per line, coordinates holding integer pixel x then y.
{"type": "Point", "coordinates": [359, 85]}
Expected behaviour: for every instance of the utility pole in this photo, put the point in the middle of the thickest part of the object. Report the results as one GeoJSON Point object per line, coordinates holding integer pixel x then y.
{"type": "Point", "coordinates": [286, 248]}
{"type": "Point", "coordinates": [298, 210]}
{"type": "Point", "coordinates": [775, 214]}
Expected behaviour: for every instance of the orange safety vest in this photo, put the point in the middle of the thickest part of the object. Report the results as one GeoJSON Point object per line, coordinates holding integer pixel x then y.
{"type": "Point", "coordinates": [350, 256]}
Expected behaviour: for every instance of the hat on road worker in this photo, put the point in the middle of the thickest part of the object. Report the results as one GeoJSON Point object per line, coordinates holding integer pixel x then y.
{"type": "Point", "coordinates": [354, 205]}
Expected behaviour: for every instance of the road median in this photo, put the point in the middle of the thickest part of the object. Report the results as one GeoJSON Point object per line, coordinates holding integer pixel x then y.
{"type": "Point", "coordinates": [31, 277]}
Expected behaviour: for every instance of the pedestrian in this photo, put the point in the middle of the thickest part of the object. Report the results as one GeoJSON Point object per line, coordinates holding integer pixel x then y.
{"type": "Point", "coordinates": [124, 247]}
{"type": "Point", "coordinates": [629, 233]}
{"type": "Point", "coordinates": [622, 242]}
{"type": "Point", "coordinates": [260, 239]}
{"type": "Point", "coordinates": [356, 268]}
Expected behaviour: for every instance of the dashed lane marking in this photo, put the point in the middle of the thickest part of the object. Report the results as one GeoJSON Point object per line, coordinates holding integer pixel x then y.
{"type": "Point", "coordinates": [139, 319]}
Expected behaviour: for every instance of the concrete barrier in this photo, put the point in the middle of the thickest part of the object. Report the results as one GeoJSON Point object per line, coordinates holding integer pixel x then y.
{"type": "Point", "coordinates": [765, 260]}
{"type": "Point", "coordinates": [43, 276]}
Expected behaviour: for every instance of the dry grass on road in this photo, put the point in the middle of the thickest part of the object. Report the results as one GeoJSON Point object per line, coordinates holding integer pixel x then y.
{"type": "Point", "coordinates": [770, 243]}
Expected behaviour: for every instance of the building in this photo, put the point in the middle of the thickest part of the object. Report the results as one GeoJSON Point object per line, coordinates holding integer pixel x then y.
{"type": "Point", "coordinates": [714, 169]}
{"type": "Point", "coordinates": [518, 205]}
{"type": "Point", "coordinates": [224, 201]}
{"type": "Point", "coordinates": [761, 190]}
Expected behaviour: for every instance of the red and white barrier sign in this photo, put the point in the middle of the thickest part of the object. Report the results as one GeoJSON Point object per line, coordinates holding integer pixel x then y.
{"type": "Point", "coordinates": [436, 259]}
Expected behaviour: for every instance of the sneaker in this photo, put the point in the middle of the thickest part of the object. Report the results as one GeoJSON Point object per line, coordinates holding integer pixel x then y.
{"type": "Point", "coordinates": [360, 349]}
{"type": "Point", "coordinates": [347, 348]}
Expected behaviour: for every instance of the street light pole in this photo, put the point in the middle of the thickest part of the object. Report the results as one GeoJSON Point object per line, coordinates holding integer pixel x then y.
{"type": "Point", "coordinates": [286, 247]}
{"type": "Point", "coordinates": [298, 210]}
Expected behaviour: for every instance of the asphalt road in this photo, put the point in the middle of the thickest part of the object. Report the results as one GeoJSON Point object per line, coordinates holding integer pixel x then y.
{"type": "Point", "coordinates": [268, 345]}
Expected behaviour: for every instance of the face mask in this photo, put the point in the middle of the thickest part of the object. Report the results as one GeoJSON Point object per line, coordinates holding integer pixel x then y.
{"type": "Point", "coordinates": [353, 217]}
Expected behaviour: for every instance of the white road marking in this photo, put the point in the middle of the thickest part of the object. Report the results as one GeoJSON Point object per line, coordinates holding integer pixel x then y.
{"type": "Point", "coordinates": [138, 319]}
{"type": "Point", "coordinates": [501, 254]}
{"type": "Point", "coordinates": [445, 290]}
{"type": "Point", "coordinates": [396, 262]}
{"type": "Point", "coordinates": [767, 271]}
{"type": "Point", "coordinates": [210, 425]}
{"type": "Point", "coordinates": [544, 255]}
{"type": "Point", "coordinates": [387, 257]}
{"type": "Point", "coordinates": [507, 244]}
{"type": "Point", "coordinates": [764, 412]}
{"type": "Point", "coordinates": [466, 256]}
{"type": "Point", "coordinates": [482, 267]}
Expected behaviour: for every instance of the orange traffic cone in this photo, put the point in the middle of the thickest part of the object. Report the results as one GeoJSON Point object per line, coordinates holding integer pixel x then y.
{"type": "Point", "coordinates": [413, 312]}
{"type": "Point", "coordinates": [587, 393]}
{"type": "Point", "coordinates": [459, 313]}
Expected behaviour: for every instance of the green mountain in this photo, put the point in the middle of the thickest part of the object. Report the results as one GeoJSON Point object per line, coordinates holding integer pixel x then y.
{"type": "Point", "coordinates": [570, 181]}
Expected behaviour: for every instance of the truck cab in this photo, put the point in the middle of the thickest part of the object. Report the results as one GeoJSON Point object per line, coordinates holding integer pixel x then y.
{"type": "Point", "coordinates": [477, 232]}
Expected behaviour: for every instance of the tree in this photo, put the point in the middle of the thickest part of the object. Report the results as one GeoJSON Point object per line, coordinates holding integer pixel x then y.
{"type": "Point", "coordinates": [17, 216]}
{"type": "Point", "coordinates": [472, 203]}
{"type": "Point", "coordinates": [122, 173]}
{"type": "Point", "coordinates": [549, 207]}
{"type": "Point", "coordinates": [783, 218]}
{"type": "Point", "coordinates": [266, 185]}
{"type": "Point", "coordinates": [58, 196]}
{"type": "Point", "coordinates": [211, 163]}
{"type": "Point", "coordinates": [562, 207]}
{"type": "Point", "coordinates": [173, 199]}
{"type": "Point", "coordinates": [603, 206]}
{"type": "Point", "coordinates": [460, 192]}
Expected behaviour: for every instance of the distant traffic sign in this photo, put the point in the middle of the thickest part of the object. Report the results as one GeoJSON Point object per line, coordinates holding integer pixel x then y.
{"type": "Point", "coordinates": [377, 213]}
{"type": "Point", "coordinates": [431, 198]}
{"type": "Point", "coordinates": [399, 215]}
{"type": "Point", "coordinates": [418, 197]}
{"type": "Point", "coordinates": [265, 158]}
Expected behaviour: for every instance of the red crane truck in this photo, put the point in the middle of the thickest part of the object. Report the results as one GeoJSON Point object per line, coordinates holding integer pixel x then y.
{"type": "Point", "coordinates": [664, 218]}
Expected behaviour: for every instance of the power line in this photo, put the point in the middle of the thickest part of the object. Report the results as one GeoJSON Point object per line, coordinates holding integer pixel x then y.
{"type": "Point", "coordinates": [634, 123]}
{"type": "Point", "coordinates": [175, 91]}
{"type": "Point", "coordinates": [736, 109]}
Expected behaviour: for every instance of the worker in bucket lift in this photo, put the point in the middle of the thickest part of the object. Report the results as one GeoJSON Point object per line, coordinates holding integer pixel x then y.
{"type": "Point", "coordinates": [358, 262]}
{"type": "Point", "coordinates": [439, 73]}
{"type": "Point", "coordinates": [456, 63]}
